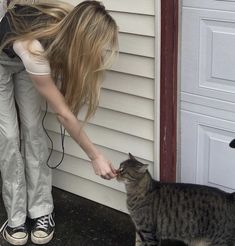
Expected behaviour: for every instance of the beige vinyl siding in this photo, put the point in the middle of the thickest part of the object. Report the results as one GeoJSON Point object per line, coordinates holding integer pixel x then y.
{"type": "Point", "coordinates": [126, 118]}
{"type": "Point", "coordinates": [138, 45]}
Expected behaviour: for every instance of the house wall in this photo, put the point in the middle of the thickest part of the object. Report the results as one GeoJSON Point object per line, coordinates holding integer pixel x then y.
{"type": "Point", "coordinates": [127, 118]}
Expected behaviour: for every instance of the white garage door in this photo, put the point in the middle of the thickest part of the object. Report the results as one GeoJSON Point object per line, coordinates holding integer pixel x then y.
{"type": "Point", "coordinates": [208, 92]}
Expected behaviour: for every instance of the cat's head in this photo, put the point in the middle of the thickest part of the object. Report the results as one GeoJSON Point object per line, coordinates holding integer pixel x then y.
{"type": "Point", "coordinates": [131, 170]}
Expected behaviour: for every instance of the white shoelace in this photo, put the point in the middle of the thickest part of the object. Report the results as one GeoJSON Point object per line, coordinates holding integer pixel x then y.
{"type": "Point", "coordinates": [3, 226]}
{"type": "Point", "coordinates": [43, 222]}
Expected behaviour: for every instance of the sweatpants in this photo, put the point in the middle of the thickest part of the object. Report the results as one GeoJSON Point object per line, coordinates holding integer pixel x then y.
{"type": "Point", "coordinates": [26, 179]}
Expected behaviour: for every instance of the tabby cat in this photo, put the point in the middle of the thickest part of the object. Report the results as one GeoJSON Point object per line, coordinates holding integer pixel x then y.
{"type": "Point", "coordinates": [186, 212]}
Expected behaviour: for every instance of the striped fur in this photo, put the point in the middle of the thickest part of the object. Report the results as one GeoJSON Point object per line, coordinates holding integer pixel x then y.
{"type": "Point", "coordinates": [194, 214]}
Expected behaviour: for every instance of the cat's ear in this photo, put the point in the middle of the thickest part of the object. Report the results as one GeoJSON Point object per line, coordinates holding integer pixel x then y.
{"type": "Point", "coordinates": [131, 157]}
{"type": "Point", "coordinates": [143, 168]}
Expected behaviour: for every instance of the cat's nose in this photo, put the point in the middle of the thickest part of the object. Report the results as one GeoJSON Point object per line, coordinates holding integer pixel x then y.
{"type": "Point", "coordinates": [120, 170]}
{"type": "Point", "coordinates": [232, 143]}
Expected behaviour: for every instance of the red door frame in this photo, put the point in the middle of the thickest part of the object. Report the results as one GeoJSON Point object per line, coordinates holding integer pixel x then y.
{"type": "Point", "coordinates": [168, 84]}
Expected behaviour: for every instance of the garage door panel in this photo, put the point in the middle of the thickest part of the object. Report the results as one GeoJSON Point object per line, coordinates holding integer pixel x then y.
{"type": "Point", "coordinates": [211, 4]}
{"type": "Point", "coordinates": [208, 93]}
{"type": "Point", "coordinates": [217, 56]}
{"type": "Point", "coordinates": [208, 54]}
{"type": "Point", "coordinates": [220, 169]}
{"type": "Point", "coordinates": [207, 158]}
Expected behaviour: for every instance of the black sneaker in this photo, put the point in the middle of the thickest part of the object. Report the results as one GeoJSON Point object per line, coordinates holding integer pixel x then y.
{"type": "Point", "coordinates": [43, 229]}
{"type": "Point", "coordinates": [15, 236]}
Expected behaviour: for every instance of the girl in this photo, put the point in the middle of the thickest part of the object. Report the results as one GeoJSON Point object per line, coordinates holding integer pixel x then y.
{"type": "Point", "coordinates": [41, 45]}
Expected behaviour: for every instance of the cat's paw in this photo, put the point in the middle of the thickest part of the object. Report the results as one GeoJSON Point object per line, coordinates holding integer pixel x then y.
{"type": "Point", "coordinates": [138, 241]}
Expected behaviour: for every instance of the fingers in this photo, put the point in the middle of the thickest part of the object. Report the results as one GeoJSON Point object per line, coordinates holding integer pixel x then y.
{"type": "Point", "coordinates": [110, 174]}
{"type": "Point", "coordinates": [104, 168]}
{"type": "Point", "coordinates": [113, 169]}
{"type": "Point", "coordinates": [105, 177]}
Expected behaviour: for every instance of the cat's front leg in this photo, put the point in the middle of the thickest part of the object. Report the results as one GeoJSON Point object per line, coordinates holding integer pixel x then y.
{"type": "Point", "coordinates": [138, 240]}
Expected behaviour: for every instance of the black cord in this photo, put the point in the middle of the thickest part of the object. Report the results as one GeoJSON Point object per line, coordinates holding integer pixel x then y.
{"type": "Point", "coordinates": [62, 135]}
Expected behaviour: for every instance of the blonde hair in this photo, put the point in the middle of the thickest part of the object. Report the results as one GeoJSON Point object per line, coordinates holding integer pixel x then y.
{"type": "Point", "coordinates": [80, 44]}
{"type": "Point", "coordinates": [13, 2]}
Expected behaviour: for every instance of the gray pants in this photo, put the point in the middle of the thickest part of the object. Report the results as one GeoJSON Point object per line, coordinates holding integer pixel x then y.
{"type": "Point", "coordinates": [26, 178]}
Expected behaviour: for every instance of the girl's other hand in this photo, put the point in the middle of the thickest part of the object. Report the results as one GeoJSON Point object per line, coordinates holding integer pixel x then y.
{"type": "Point", "coordinates": [103, 168]}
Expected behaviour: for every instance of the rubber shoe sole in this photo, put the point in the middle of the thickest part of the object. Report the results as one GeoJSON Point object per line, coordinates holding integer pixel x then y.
{"type": "Point", "coordinates": [14, 240]}
{"type": "Point", "coordinates": [42, 240]}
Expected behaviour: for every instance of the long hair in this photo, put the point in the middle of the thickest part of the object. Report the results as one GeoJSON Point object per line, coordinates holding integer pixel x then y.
{"type": "Point", "coordinates": [81, 43]}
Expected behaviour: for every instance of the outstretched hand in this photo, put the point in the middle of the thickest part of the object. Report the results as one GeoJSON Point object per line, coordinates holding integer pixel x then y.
{"type": "Point", "coordinates": [103, 168]}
